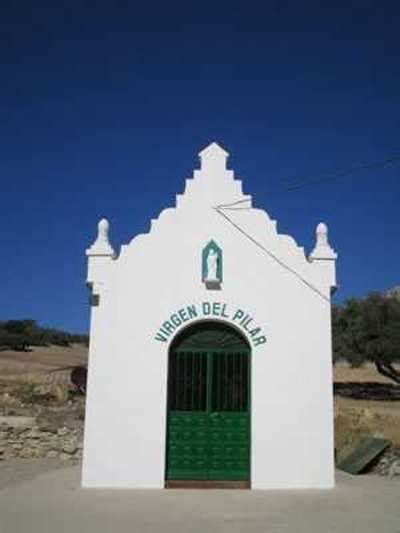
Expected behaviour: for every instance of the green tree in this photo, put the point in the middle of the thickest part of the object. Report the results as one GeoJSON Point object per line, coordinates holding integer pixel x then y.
{"type": "Point", "coordinates": [347, 333]}
{"type": "Point", "coordinates": [20, 334]}
{"type": "Point", "coordinates": [381, 322]}
{"type": "Point", "coordinates": [369, 330]}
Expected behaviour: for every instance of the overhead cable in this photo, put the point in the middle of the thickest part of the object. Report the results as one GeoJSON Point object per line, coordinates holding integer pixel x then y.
{"type": "Point", "coordinates": [270, 254]}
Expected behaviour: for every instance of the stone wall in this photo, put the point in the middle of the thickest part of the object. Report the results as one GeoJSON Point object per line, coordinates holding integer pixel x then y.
{"type": "Point", "coordinates": [31, 437]}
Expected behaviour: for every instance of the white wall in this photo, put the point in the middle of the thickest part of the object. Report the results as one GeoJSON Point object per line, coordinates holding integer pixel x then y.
{"type": "Point", "coordinates": [159, 273]}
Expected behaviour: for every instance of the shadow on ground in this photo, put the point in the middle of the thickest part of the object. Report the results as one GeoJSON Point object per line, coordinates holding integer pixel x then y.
{"type": "Point", "coordinates": [367, 391]}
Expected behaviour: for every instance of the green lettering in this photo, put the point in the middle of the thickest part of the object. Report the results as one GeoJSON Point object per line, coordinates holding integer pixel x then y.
{"type": "Point", "coordinates": [191, 309]}
{"type": "Point", "coordinates": [175, 320]}
{"type": "Point", "coordinates": [260, 340]}
{"type": "Point", "coordinates": [206, 308]}
{"type": "Point", "coordinates": [182, 314]}
{"type": "Point", "coordinates": [216, 308]}
{"type": "Point", "coordinates": [255, 332]}
{"type": "Point", "coordinates": [244, 319]}
{"type": "Point", "coordinates": [168, 327]}
{"type": "Point", "coordinates": [247, 323]}
{"type": "Point", "coordinates": [239, 314]}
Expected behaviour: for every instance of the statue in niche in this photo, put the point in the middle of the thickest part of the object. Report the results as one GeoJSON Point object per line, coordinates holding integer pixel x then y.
{"type": "Point", "coordinates": [212, 265]}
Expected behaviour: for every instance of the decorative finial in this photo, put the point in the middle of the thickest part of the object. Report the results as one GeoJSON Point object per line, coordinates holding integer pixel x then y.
{"type": "Point", "coordinates": [213, 156]}
{"type": "Point", "coordinates": [322, 234]}
{"type": "Point", "coordinates": [322, 249]}
{"type": "Point", "coordinates": [102, 245]}
{"type": "Point", "coordinates": [103, 228]}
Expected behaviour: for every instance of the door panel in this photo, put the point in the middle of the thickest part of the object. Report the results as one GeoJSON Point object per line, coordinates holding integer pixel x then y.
{"type": "Point", "coordinates": [187, 452]}
{"type": "Point", "coordinates": [229, 451]}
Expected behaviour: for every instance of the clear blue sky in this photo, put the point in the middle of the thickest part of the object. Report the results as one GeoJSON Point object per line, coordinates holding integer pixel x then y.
{"type": "Point", "coordinates": [105, 105]}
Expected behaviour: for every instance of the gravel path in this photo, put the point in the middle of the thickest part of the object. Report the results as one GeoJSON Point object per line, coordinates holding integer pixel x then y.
{"type": "Point", "coordinates": [52, 501]}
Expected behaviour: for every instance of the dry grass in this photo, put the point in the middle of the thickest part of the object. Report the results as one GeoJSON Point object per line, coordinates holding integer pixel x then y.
{"type": "Point", "coordinates": [35, 366]}
{"type": "Point", "coordinates": [356, 419]}
{"type": "Point", "coordinates": [342, 372]}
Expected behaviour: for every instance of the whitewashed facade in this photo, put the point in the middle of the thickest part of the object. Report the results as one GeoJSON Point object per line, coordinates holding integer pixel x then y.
{"type": "Point", "coordinates": [262, 285]}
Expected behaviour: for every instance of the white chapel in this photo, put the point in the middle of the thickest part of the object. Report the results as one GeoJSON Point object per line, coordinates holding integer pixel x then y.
{"type": "Point", "coordinates": [210, 359]}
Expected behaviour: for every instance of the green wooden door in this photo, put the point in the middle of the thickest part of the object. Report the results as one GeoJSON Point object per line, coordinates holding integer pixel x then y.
{"type": "Point", "coordinates": [208, 406]}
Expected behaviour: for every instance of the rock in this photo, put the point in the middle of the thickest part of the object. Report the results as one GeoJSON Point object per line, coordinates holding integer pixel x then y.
{"type": "Point", "coordinates": [52, 454]}
{"type": "Point", "coordinates": [8, 400]}
{"type": "Point", "coordinates": [18, 421]}
{"type": "Point", "coordinates": [70, 447]}
{"type": "Point", "coordinates": [394, 469]}
{"type": "Point", "coordinates": [64, 457]}
{"type": "Point", "coordinates": [20, 431]}
{"type": "Point", "coordinates": [41, 390]}
{"type": "Point", "coordinates": [61, 393]}
{"type": "Point", "coordinates": [48, 435]}
{"type": "Point", "coordinates": [47, 425]}
{"type": "Point", "coordinates": [34, 433]}
{"type": "Point", "coordinates": [27, 453]}
{"type": "Point", "coordinates": [9, 454]}
{"type": "Point", "coordinates": [42, 429]}
{"type": "Point", "coordinates": [388, 463]}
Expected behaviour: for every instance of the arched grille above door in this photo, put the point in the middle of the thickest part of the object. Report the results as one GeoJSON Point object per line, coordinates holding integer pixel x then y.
{"type": "Point", "coordinates": [210, 335]}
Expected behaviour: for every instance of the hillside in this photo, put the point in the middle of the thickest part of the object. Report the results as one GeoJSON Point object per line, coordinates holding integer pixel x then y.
{"type": "Point", "coordinates": [36, 365]}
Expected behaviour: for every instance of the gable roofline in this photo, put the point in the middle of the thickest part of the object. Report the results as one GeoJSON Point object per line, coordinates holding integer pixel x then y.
{"type": "Point", "coordinates": [213, 149]}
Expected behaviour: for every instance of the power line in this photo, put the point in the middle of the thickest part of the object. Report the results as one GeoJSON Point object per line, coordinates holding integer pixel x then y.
{"type": "Point", "coordinates": [344, 173]}
{"type": "Point", "coordinates": [270, 254]}
{"type": "Point", "coordinates": [236, 206]}
{"type": "Point", "coordinates": [233, 206]}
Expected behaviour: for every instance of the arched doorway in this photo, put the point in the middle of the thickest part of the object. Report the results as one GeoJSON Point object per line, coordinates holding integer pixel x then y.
{"type": "Point", "coordinates": [208, 418]}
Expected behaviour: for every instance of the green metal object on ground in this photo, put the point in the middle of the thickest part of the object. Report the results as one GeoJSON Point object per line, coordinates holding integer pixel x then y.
{"type": "Point", "coordinates": [363, 455]}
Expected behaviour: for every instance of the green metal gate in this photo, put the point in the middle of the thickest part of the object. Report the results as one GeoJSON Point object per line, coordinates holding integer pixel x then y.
{"type": "Point", "coordinates": [208, 434]}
